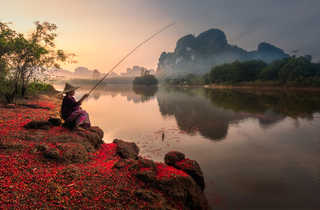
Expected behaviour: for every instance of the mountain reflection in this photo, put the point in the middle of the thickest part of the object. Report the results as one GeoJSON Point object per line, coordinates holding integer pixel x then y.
{"type": "Point", "coordinates": [210, 112]}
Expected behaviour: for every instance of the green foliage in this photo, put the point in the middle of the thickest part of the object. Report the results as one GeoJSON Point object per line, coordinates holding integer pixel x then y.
{"type": "Point", "coordinates": [288, 71]}
{"type": "Point", "coordinates": [296, 70]}
{"type": "Point", "coordinates": [237, 71]}
{"type": "Point", "coordinates": [145, 80]}
{"type": "Point", "coordinates": [25, 58]}
{"type": "Point", "coordinates": [270, 72]}
{"type": "Point", "coordinates": [40, 87]}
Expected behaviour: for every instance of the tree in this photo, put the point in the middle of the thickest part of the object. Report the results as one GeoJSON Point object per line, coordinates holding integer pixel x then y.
{"type": "Point", "coordinates": [32, 55]}
{"type": "Point", "coordinates": [6, 38]}
{"type": "Point", "coordinates": [145, 80]}
{"type": "Point", "coordinates": [296, 70]}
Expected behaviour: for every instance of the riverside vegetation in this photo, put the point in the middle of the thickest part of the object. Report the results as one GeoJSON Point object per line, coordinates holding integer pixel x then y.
{"type": "Point", "coordinates": [290, 72]}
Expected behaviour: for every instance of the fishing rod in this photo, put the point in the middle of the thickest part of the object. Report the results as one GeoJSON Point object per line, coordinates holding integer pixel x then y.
{"type": "Point", "coordinates": [131, 52]}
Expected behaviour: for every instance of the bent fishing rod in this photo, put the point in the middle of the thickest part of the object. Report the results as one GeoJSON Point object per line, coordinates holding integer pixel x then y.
{"type": "Point", "coordinates": [131, 52]}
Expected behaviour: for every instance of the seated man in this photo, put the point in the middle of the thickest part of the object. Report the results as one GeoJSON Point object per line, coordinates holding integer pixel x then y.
{"type": "Point", "coordinates": [71, 111]}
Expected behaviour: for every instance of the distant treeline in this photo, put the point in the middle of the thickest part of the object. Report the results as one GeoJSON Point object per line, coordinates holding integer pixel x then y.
{"type": "Point", "coordinates": [292, 71]}
{"type": "Point", "coordinates": [145, 80]}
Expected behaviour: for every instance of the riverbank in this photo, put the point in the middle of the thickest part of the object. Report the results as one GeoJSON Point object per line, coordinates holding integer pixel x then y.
{"type": "Point", "coordinates": [44, 165]}
{"type": "Point", "coordinates": [262, 87]}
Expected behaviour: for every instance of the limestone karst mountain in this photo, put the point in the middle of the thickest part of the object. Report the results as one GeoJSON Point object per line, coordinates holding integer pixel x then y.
{"type": "Point", "coordinates": [198, 54]}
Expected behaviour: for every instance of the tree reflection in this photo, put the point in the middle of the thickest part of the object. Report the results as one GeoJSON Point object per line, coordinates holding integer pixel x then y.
{"type": "Point", "coordinates": [146, 92]}
{"type": "Point", "coordinates": [136, 94]}
{"type": "Point", "coordinates": [210, 112]}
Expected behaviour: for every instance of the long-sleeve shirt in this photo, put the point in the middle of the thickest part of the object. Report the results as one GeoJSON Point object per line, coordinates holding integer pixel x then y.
{"type": "Point", "coordinates": [69, 105]}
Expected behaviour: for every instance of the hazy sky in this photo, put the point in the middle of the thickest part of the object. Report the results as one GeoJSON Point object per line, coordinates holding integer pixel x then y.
{"type": "Point", "coordinates": [101, 32]}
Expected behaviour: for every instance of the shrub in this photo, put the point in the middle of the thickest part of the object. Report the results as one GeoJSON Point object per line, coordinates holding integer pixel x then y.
{"type": "Point", "coordinates": [145, 80]}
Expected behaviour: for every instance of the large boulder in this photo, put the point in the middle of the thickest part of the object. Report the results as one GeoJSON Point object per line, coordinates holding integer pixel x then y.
{"type": "Point", "coordinates": [180, 188]}
{"type": "Point", "coordinates": [191, 167]}
{"type": "Point", "coordinates": [126, 150]}
{"type": "Point", "coordinates": [93, 135]}
{"type": "Point", "coordinates": [172, 157]}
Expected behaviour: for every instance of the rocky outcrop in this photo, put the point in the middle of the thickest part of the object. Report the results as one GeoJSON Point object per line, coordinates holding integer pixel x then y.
{"type": "Point", "coordinates": [156, 185]}
{"type": "Point", "coordinates": [191, 167]}
{"type": "Point", "coordinates": [126, 150]}
{"type": "Point", "coordinates": [198, 54]}
{"type": "Point", "coordinates": [180, 187]}
{"type": "Point", "coordinates": [63, 145]}
{"type": "Point", "coordinates": [172, 157]}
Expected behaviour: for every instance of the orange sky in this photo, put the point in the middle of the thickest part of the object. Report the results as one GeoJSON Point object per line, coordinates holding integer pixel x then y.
{"type": "Point", "coordinates": [101, 32]}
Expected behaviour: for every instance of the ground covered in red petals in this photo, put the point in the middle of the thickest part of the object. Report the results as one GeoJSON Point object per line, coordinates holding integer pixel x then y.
{"type": "Point", "coordinates": [31, 180]}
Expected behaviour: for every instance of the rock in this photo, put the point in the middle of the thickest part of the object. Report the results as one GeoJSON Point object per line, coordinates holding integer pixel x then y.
{"type": "Point", "coordinates": [126, 150]}
{"type": "Point", "coordinates": [148, 195]}
{"type": "Point", "coordinates": [179, 188]}
{"type": "Point", "coordinates": [172, 157]}
{"type": "Point", "coordinates": [93, 135]}
{"type": "Point", "coordinates": [142, 164]}
{"type": "Point", "coordinates": [91, 138]}
{"type": "Point", "coordinates": [50, 152]}
{"type": "Point", "coordinates": [45, 125]}
{"type": "Point", "coordinates": [192, 168]}
{"type": "Point", "coordinates": [55, 121]}
{"type": "Point", "coordinates": [121, 163]}
{"type": "Point", "coordinates": [145, 163]}
{"type": "Point", "coordinates": [147, 176]}
{"type": "Point", "coordinates": [183, 188]}
{"type": "Point", "coordinates": [67, 152]}
{"type": "Point", "coordinates": [74, 152]}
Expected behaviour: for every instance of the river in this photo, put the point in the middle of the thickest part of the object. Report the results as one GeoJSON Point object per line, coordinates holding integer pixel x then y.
{"type": "Point", "coordinates": [257, 150]}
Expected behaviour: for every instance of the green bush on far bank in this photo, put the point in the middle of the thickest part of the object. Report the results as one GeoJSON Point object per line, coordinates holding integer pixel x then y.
{"type": "Point", "coordinates": [145, 80]}
{"type": "Point", "coordinates": [292, 71]}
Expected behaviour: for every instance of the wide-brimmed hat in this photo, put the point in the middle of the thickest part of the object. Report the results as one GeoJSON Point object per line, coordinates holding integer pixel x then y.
{"type": "Point", "coordinates": [69, 88]}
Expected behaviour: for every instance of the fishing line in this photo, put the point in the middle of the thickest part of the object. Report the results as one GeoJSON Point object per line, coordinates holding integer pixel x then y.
{"type": "Point", "coordinates": [131, 52]}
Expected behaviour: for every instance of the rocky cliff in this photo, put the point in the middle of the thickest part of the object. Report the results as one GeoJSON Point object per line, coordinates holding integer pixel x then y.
{"type": "Point", "coordinates": [198, 54]}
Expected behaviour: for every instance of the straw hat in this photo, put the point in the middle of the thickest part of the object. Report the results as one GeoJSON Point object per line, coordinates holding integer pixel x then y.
{"type": "Point", "coordinates": [69, 88]}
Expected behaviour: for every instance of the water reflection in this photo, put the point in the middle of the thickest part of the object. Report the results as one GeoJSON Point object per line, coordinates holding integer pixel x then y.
{"type": "Point", "coordinates": [146, 92]}
{"type": "Point", "coordinates": [210, 112]}
{"type": "Point", "coordinates": [136, 94]}
{"type": "Point", "coordinates": [264, 161]}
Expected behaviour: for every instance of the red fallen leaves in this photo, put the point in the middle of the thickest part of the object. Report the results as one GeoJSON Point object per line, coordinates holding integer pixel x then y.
{"type": "Point", "coordinates": [29, 181]}
{"type": "Point", "coordinates": [168, 171]}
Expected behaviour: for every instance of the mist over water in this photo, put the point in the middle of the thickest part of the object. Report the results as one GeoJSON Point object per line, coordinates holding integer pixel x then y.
{"type": "Point", "coordinates": [255, 149]}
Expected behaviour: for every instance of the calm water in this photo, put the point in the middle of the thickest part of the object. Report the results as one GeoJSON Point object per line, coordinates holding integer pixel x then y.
{"type": "Point", "coordinates": [257, 150]}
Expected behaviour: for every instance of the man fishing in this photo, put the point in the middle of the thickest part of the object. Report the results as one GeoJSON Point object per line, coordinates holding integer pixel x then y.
{"type": "Point", "coordinates": [71, 111]}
